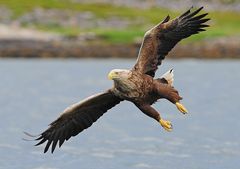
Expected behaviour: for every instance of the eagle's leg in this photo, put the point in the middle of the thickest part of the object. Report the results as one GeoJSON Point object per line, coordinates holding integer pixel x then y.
{"type": "Point", "coordinates": [181, 108]}
{"type": "Point", "coordinates": [151, 112]}
{"type": "Point", "coordinates": [173, 96]}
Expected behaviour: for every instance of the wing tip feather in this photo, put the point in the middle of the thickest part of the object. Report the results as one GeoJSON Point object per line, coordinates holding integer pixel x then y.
{"type": "Point", "coordinates": [166, 19]}
{"type": "Point", "coordinates": [186, 13]}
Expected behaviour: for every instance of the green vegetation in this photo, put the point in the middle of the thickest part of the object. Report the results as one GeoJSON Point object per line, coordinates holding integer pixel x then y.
{"type": "Point", "coordinates": [222, 23]}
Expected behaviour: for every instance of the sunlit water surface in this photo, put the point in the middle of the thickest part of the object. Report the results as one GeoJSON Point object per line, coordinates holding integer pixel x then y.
{"type": "Point", "coordinates": [34, 92]}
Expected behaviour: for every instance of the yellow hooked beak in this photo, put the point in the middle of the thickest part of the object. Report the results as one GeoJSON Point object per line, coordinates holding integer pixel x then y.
{"type": "Point", "coordinates": [111, 75]}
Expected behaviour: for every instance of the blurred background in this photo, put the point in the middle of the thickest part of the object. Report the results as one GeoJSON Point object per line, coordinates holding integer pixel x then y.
{"type": "Point", "coordinates": [81, 41]}
{"type": "Point", "coordinates": [80, 28]}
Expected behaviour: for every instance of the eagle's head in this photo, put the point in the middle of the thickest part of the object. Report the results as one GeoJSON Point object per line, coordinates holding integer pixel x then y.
{"type": "Point", "coordinates": [119, 74]}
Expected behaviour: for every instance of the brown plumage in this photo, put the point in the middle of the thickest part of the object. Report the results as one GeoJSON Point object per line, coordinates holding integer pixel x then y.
{"type": "Point", "coordinates": [159, 40]}
{"type": "Point", "coordinates": [137, 85]}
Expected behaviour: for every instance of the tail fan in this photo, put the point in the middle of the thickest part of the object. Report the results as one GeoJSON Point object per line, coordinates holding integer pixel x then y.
{"type": "Point", "coordinates": [168, 77]}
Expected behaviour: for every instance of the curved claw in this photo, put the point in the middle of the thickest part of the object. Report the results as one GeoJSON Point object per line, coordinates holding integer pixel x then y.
{"type": "Point", "coordinates": [166, 124]}
{"type": "Point", "coordinates": [181, 108]}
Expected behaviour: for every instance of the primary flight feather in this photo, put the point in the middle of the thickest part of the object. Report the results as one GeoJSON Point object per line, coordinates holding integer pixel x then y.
{"type": "Point", "coordinates": [136, 85]}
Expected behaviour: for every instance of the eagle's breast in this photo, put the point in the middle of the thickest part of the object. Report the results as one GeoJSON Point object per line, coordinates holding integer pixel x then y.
{"type": "Point", "coordinates": [135, 87]}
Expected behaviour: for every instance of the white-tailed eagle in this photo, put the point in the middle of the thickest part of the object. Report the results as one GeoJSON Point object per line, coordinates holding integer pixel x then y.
{"type": "Point", "coordinates": [137, 85]}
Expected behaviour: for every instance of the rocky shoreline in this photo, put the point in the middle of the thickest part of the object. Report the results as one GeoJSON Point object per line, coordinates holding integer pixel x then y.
{"type": "Point", "coordinates": [20, 39]}
{"type": "Point", "coordinates": [32, 48]}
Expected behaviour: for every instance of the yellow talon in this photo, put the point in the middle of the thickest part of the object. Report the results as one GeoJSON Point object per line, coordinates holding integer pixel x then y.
{"type": "Point", "coordinates": [181, 108]}
{"type": "Point", "coordinates": [166, 124]}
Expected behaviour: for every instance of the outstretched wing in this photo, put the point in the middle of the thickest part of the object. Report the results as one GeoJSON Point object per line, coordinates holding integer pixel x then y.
{"type": "Point", "coordinates": [159, 40]}
{"type": "Point", "coordinates": [76, 118]}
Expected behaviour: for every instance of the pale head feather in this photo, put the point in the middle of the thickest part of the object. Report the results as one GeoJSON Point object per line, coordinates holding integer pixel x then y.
{"type": "Point", "coordinates": [119, 74]}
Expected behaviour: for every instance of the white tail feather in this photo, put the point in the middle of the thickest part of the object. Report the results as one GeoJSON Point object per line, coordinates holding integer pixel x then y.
{"type": "Point", "coordinates": [168, 76]}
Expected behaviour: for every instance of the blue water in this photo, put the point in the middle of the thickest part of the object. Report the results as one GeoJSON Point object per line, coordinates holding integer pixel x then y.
{"type": "Point", "coordinates": [34, 92]}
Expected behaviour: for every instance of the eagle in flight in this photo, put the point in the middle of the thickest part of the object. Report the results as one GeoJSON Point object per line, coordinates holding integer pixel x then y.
{"type": "Point", "coordinates": [137, 85]}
